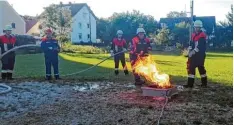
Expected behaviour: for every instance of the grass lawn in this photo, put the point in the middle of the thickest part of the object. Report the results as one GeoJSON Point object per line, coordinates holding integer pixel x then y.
{"type": "Point", "coordinates": [218, 65]}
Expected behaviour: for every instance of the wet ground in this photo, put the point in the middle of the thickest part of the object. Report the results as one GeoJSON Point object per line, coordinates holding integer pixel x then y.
{"type": "Point", "coordinates": [109, 103]}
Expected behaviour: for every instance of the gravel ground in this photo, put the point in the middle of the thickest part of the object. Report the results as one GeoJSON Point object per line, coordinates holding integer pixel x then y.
{"type": "Point", "coordinates": [108, 103]}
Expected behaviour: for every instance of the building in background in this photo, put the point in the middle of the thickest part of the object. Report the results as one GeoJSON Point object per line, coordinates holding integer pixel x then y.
{"type": "Point", "coordinates": [8, 16]}
{"type": "Point", "coordinates": [83, 24]}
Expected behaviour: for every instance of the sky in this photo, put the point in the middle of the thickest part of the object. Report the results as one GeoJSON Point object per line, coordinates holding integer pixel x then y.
{"type": "Point", "coordinates": [156, 8]}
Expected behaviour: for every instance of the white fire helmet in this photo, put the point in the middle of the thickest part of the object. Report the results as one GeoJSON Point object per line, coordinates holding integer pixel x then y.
{"type": "Point", "coordinates": [119, 32]}
{"type": "Point", "coordinates": [140, 30]}
{"type": "Point", "coordinates": [198, 23]}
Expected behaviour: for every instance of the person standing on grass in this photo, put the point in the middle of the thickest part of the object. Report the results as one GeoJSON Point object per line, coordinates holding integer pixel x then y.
{"type": "Point", "coordinates": [51, 49]}
{"type": "Point", "coordinates": [7, 42]}
{"type": "Point", "coordinates": [197, 54]}
{"type": "Point", "coordinates": [140, 46]}
{"type": "Point", "coordinates": [118, 45]}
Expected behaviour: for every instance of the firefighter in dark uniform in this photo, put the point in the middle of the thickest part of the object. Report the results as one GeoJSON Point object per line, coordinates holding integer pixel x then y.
{"type": "Point", "coordinates": [118, 45]}
{"type": "Point", "coordinates": [51, 49]}
{"type": "Point", "coordinates": [197, 54]}
{"type": "Point", "coordinates": [7, 42]}
{"type": "Point", "coordinates": [140, 46]}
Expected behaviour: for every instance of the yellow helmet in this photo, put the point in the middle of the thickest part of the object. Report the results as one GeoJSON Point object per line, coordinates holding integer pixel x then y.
{"type": "Point", "coordinates": [198, 23]}
{"type": "Point", "coordinates": [8, 28]}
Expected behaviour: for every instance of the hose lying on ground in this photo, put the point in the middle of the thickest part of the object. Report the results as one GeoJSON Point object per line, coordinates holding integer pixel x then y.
{"type": "Point", "coordinates": [8, 88]}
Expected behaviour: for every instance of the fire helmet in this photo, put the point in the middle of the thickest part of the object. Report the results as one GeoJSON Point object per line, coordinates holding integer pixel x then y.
{"type": "Point", "coordinates": [119, 32]}
{"type": "Point", "coordinates": [198, 23]}
{"type": "Point", "coordinates": [48, 31]}
{"type": "Point", "coordinates": [140, 30]}
{"type": "Point", "coordinates": [8, 28]}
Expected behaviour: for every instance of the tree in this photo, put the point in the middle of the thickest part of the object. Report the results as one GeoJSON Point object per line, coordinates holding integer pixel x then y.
{"type": "Point", "coordinates": [58, 19]}
{"type": "Point", "coordinates": [128, 22]}
{"type": "Point", "coordinates": [229, 16]}
{"type": "Point", "coordinates": [175, 14]}
{"type": "Point", "coordinates": [181, 33]}
{"type": "Point", "coordinates": [163, 36]}
{"type": "Point", "coordinates": [103, 30]}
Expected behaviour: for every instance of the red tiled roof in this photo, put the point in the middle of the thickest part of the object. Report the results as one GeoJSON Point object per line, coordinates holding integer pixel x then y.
{"type": "Point", "coordinates": [30, 24]}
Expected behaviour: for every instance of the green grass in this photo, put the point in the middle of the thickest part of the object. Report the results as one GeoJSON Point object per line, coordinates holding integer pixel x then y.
{"type": "Point", "coordinates": [218, 65]}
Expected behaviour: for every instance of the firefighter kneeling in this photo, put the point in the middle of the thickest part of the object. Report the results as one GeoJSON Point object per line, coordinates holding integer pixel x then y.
{"type": "Point", "coordinates": [197, 54]}
{"type": "Point", "coordinates": [118, 45]}
{"type": "Point", "coordinates": [7, 42]}
{"type": "Point", "coordinates": [51, 49]}
{"type": "Point", "coordinates": [140, 46]}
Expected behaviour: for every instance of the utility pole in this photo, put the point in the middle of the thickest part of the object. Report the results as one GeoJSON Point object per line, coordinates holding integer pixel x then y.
{"type": "Point", "coordinates": [191, 21]}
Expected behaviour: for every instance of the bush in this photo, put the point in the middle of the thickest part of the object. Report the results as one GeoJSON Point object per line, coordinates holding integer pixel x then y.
{"type": "Point", "coordinates": [84, 49]}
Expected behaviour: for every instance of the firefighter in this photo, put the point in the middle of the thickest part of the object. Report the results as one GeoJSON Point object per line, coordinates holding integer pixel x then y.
{"type": "Point", "coordinates": [140, 46]}
{"type": "Point", "coordinates": [51, 49]}
{"type": "Point", "coordinates": [7, 42]}
{"type": "Point", "coordinates": [118, 45]}
{"type": "Point", "coordinates": [197, 54]}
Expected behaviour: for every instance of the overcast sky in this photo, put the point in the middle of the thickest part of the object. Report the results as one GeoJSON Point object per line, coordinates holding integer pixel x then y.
{"type": "Point", "coordinates": [156, 8]}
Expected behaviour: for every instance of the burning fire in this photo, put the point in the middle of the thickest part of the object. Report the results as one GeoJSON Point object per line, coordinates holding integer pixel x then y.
{"type": "Point", "coordinates": [146, 67]}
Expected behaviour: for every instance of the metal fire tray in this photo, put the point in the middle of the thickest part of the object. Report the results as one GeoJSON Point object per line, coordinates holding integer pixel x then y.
{"type": "Point", "coordinates": [159, 92]}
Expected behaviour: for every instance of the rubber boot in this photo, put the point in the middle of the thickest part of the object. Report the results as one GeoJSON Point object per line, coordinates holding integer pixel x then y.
{"type": "Point", "coordinates": [189, 83]}
{"type": "Point", "coordinates": [204, 82]}
{"type": "Point", "coordinates": [57, 77]}
{"type": "Point", "coordinates": [126, 72]}
{"type": "Point", "coordinates": [9, 76]}
{"type": "Point", "coordinates": [48, 78]}
{"type": "Point", "coordinates": [138, 84]}
{"type": "Point", "coordinates": [4, 76]}
{"type": "Point", "coordinates": [116, 72]}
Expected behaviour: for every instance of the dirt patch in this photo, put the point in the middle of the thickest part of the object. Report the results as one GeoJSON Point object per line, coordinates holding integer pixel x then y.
{"type": "Point", "coordinates": [107, 103]}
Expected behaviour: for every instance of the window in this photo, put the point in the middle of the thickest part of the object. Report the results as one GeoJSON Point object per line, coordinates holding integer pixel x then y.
{"type": "Point", "coordinates": [88, 36]}
{"type": "Point", "coordinates": [88, 25]}
{"type": "Point", "coordinates": [80, 36]}
{"type": "Point", "coordinates": [80, 25]}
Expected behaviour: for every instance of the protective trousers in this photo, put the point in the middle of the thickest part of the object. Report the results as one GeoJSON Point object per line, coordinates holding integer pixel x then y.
{"type": "Point", "coordinates": [8, 62]}
{"type": "Point", "coordinates": [133, 59]}
{"type": "Point", "coordinates": [120, 57]}
{"type": "Point", "coordinates": [197, 61]}
{"type": "Point", "coordinates": [49, 62]}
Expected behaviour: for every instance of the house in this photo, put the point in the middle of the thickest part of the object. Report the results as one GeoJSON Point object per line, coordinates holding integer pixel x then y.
{"type": "Point", "coordinates": [8, 16]}
{"type": "Point", "coordinates": [209, 22]}
{"type": "Point", "coordinates": [83, 23]}
{"type": "Point", "coordinates": [32, 27]}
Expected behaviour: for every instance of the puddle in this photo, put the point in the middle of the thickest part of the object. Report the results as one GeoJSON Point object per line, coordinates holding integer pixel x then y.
{"type": "Point", "coordinates": [86, 87]}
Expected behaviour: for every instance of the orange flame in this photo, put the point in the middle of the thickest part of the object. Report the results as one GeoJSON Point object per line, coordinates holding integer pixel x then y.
{"type": "Point", "coordinates": [146, 67]}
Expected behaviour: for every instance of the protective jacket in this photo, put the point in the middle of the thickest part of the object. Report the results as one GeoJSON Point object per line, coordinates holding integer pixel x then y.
{"type": "Point", "coordinates": [51, 49]}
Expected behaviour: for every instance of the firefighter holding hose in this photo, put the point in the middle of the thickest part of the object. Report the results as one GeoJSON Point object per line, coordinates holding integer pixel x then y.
{"type": "Point", "coordinates": [51, 49]}
{"type": "Point", "coordinates": [118, 45]}
{"type": "Point", "coordinates": [7, 42]}
{"type": "Point", "coordinates": [197, 54]}
{"type": "Point", "coordinates": [140, 46]}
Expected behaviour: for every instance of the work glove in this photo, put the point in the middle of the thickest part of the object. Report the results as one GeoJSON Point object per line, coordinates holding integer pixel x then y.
{"type": "Point", "coordinates": [189, 48]}
{"type": "Point", "coordinates": [191, 53]}
{"type": "Point", "coordinates": [112, 53]}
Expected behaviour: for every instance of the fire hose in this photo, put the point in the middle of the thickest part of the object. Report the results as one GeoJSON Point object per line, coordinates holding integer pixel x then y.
{"type": "Point", "coordinates": [34, 45]}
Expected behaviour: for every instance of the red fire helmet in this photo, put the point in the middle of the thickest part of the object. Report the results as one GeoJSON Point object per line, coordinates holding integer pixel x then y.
{"type": "Point", "coordinates": [48, 31]}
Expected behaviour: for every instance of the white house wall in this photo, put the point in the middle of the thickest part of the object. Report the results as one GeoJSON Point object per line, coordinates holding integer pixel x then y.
{"type": "Point", "coordinates": [9, 16]}
{"type": "Point", "coordinates": [84, 30]}
{"type": "Point", "coordinates": [1, 18]}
